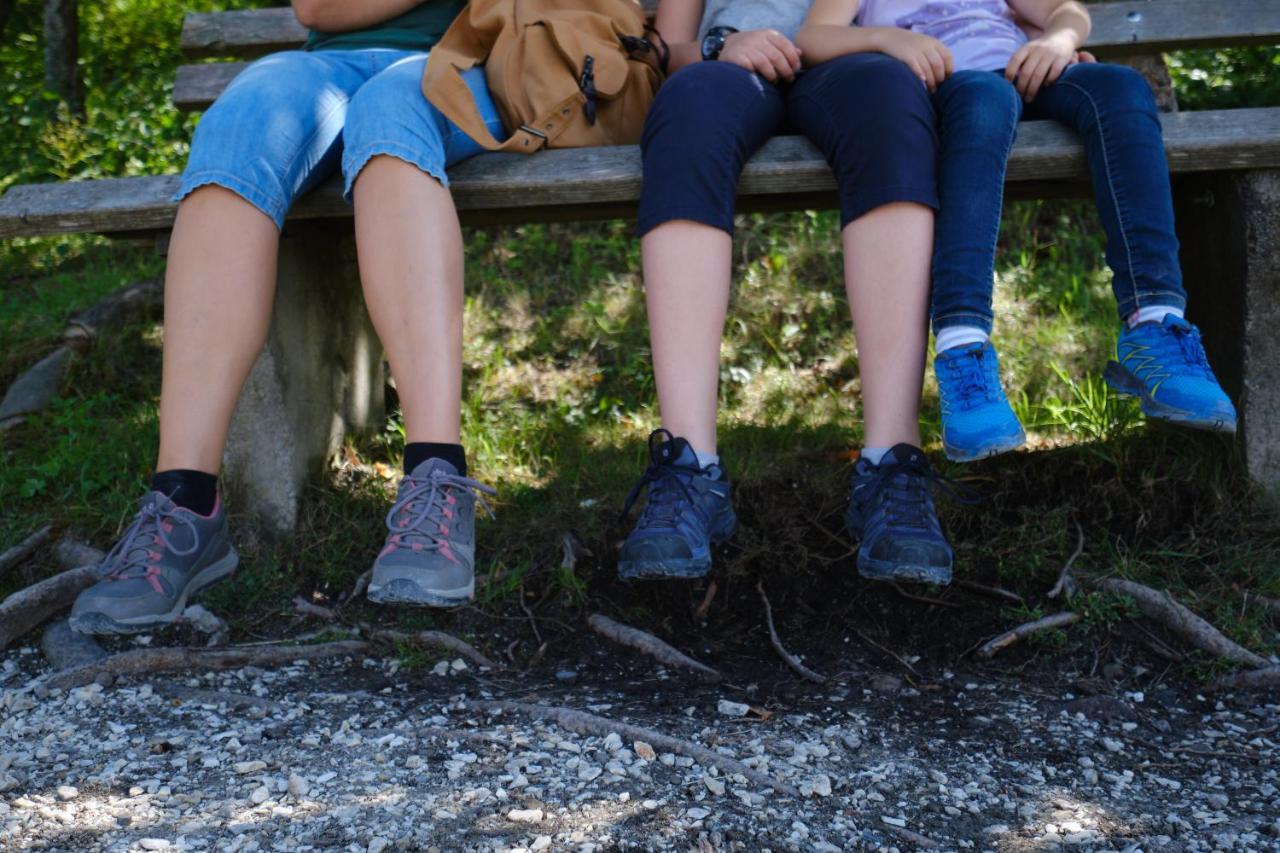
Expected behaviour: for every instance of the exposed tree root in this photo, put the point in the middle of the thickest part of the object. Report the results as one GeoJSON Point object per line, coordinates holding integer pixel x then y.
{"type": "Point", "coordinates": [1252, 679]}
{"type": "Point", "coordinates": [1008, 638]}
{"type": "Point", "coordinates": [1161, 606]}
{"type": "Point", "coordinates": [305, 608]}
{"type": "Point", "coordinates": [1065, 586]}
{"type": "Point", "coordinates": [139, 661]}
{"type": "Point", "coordinates": [440, 640]}
{"type": "Point", "coordinates": [29, 608]}
{"type": "Point", "coordinates": [65, 649]}
{"type": "Point", "coordinates": [645, 642]}
{"type": "Point", "coordinates": [791, 660]}
{"type": "Point", "coordinates": [15, 555]}
{"type": "Point", "coordinates": [1271, 605]}
{"type": "Point", "coordinates": [113, 309]}
{"type": "Point", "coordinates": [924, 842]}
{"type": "Point", "coordinates": [591, 724]}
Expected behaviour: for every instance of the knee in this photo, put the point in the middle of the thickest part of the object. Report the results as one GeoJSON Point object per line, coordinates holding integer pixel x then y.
{"type": "Point", "coordinates": [700, 103]}
{"type": "Point", "coordinates": [1129, 87]}
{"type": "Point", "coordinates": [979, 103]}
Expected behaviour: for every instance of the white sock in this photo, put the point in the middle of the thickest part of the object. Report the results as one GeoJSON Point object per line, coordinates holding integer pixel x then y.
{"type": "Point", "coordinates": [1152, 313]}
{"type": "Point", "coordinates": [873, 454]}
{"type": "Point", "coordinates": [958, 336]}
{"type": "Point", "coordinates": [706, 460]}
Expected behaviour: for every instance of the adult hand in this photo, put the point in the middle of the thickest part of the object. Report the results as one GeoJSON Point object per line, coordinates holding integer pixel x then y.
{"type": "Point", "coordinates": [766, 52]}
{"type": "Point", "coordinates": [1039, 63]}
{"type": "Point", "coordinates": [928, 58]}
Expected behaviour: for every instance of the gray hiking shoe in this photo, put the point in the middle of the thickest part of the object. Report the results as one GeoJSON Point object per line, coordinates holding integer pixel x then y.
{"type": "Point", "coordinates": [166, 556]}
{"type": "Point", "coordinates": [430, 555]}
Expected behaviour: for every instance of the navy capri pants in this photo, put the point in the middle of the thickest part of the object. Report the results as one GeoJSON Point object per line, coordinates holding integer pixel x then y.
{"type": "Point", "coordinates": [870, 116]}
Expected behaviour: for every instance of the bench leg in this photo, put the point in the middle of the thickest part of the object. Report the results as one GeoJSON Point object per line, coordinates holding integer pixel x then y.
{"type": "Point", "coordinates": [319, 375]}
{"type": "Point", "coordinates": [1229, 227]}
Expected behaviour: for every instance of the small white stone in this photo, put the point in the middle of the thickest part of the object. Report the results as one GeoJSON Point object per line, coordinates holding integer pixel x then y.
{"type": "Point", "coordinates": [1112, 745]}
{"type": "Point", "coordinates": [894, 821]}
{"type": "Point", "coordinates": [245, 767]}
{"type": "Point", "coordinates": [733, 709]}
{"type": "Point", "coordinates": [525, 815]}
{"type": "Point", "coordinates": [714, 785]}
{"type": "Point", "coordinates": [298, 786]}
{"type": "Point", "coordinates": [697, 813]}
{"type": "Point", "coordinates": [643, 750]}
{"type": "Point", "coordinates": [260, 795]}
{"type": "Point", "coordinates": [542, 842]}
{"type": "Point", "coordinates": [66, 793]}
{"type": "Point", "coordinates": [613, 742]}
{"type": "Point", "coordinates": [154, 844]}
{"type": "Point", "coordinates": [378, 844]}
{"type": "Point", "coordinates": [589, 773]}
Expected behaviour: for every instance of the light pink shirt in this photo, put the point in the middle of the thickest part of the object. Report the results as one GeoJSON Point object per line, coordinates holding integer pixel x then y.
{"type": "Point", "coordinates": [981, 34]}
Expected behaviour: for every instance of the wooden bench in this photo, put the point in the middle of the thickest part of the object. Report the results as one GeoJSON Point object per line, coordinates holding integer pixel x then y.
{"type": "Point", "coordinates": [320, 372]}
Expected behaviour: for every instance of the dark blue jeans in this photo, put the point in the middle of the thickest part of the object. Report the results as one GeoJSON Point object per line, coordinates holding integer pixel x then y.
{"type": "Point", "coordinates": [866, 112]}
{"type": "Point", "coordinates": [1114, 111]}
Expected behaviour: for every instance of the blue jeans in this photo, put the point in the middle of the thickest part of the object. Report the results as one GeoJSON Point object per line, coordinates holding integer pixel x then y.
{"type": "Point", "coordinates": [287, 121]}
{"type": "Point", "coordinates": [866, 112]}
{"type": "Point", "coordinates": [1114, 111]}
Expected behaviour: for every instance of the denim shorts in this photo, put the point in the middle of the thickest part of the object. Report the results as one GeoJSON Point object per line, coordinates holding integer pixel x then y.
{"type": "Point", "coordinates": [288, 121]}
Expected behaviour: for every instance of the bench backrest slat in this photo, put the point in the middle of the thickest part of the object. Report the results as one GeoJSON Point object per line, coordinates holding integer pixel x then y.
{"type": "Point", "coordinates": [1127, 26]}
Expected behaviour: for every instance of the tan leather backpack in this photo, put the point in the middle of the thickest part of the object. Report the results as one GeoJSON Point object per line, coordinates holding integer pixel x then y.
{"type": "Point", "coordinates": [563, 73]}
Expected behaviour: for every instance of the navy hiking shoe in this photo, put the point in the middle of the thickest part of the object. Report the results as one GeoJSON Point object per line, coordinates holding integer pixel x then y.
{"type": "Point", "coordinates": [977, 420]}
{"type": "Point", "coordinates": [688, 510]}
{"type": "Point", "coordinates": [168, 554]}
{"type": "Point", "coordinates": [1163, 365]}
{"type": "Point", "coordinates": [891, 512]}
{"type": "Point", "coordinates": [430, 555]}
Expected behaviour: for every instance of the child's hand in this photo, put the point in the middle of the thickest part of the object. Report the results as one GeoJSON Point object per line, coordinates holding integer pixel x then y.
{"type": "Point", "coordinates": [928, 58]}
{"type": "Point", "coordinates": [1040, 62]}
{"type": "Point", "coordinates": [766, 52]}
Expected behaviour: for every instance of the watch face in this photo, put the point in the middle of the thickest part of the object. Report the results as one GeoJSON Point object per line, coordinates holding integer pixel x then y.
{"type": "Point", "coordinates": [711, 45]}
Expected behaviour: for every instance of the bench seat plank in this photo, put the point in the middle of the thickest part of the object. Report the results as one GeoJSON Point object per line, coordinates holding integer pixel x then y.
{"type": "Point", "coordinates": [1125, 26]}
{"type": "Point", "coordinates": [555, 184]}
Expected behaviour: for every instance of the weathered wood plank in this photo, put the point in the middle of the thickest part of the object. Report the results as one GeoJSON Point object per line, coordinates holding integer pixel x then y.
{"type": "Point", "coordinates": [195, 87]}
{"type": "Point", "coordinates": [557, 184]}
{"type": "Point", "coordinates": [1126, 26]}
{"type": "Point", "coordinates": [255, 32]}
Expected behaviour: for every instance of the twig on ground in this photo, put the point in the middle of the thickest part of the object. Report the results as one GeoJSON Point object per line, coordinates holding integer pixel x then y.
{"type": "Point", "coordinates": [1251, 679]}
{"type": "Point", "coordinates": [924, 599]}
{"type": "Point", "coordinates": [233, 701]}
{"type": "Point", "coordinates": [899, 658]}
{"type": "Point", "coordinates": [993, 591]}
{"type": "Point", "coordinates": [790, 659]}
{"type": "Point", "coordinates": [1065, 586]}
{"type": "Point", "coordinates": [584, 723]}
{"type": "Point", "coordinates": [15, 555]}
{"type": "Point", "coordinates": [362, 583]}
{"type": "Point", "coordinates": [645, 642]}
{"type": "Point", "coordinates": [29, 608]}
{"type": "Point", "coordinates": [72, 554]}
{"type": "Point", "coordinates": [439, 639]}
{"type": "Point", "coordinates": [570, 548]}
{"type": "Point", "coordinates": [922, 841]}
{"type": "Point", "coordinates": [1161, 606]}
{"type": "Point", "coordinates": [170, 659]}
{"type": "Point", "coordinates": [533, 622]}
{"type": "Point", "coordinates": [65, 649]}
{"type": "Point", "coordinates": [700, 612]}
{"type": "Point", "coordinates": [306, 608]}
{"type": "Point", "coordinates": [1008, 638]}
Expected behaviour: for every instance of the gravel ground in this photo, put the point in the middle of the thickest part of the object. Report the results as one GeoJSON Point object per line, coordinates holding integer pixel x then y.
{"type": "Point", "coordinates": [366, 756]}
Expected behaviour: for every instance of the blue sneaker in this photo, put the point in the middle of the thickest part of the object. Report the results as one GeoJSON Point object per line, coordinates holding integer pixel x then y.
{"type": "Point", "coordinates": [977, 420]}
{"type": "Point", "coordinates": [1164, 365]}
{"type": "Point", "coordinates": [891, 512]}
{"type": "Point", "coordinates": [688, 510]}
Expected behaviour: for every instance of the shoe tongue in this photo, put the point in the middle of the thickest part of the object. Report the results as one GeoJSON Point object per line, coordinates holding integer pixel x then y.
{"type": "Point", "coordinates": [426, 467]}
{"type": "Point", "coordinates": [677, 452]}
{"type": "Point", "coordinates": [904, 453]}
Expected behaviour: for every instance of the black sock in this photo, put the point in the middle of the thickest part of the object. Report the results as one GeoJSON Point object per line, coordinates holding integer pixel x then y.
{"type": "Point", "coordinates": [193, 490]}
{"type": "Point", "coordinates": [418, 452]}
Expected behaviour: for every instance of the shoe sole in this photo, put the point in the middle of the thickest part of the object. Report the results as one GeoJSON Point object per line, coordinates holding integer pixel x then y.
{"type": "Point", "coordinates": [1122, 381]}
{"type": "Point", "coordinates": [405, 591]}
{"type": "Point", "coordinates": [693, 568]}
{"type": "Point", "coordinates": [960, 454]}
{"type": "Point", "coordinates": [883, 570]}
{"type": "Point", "coordinates": [101, 623]}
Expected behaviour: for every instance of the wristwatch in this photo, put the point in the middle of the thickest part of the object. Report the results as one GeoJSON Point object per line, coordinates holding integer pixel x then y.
{"type": "Point", "coordinates": [713, 41]}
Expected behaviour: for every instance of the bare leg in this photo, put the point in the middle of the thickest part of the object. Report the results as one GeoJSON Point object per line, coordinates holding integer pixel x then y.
{"type": "Point", "coordinates": [410, 249]}
{"type": "Point", "coordinates": [687, 270]}
{"type": "Point", "coordinates": [218, 290]}
{"type": "Point", "coordinates": [886, 269]}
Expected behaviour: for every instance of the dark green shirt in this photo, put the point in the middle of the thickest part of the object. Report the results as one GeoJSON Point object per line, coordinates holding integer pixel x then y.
{"type": "Point", "coordinates": [418, 29]}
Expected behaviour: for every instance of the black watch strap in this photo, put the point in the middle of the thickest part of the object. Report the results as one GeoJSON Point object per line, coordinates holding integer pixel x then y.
{"type": "Point", "coordinates": [713, 41]}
